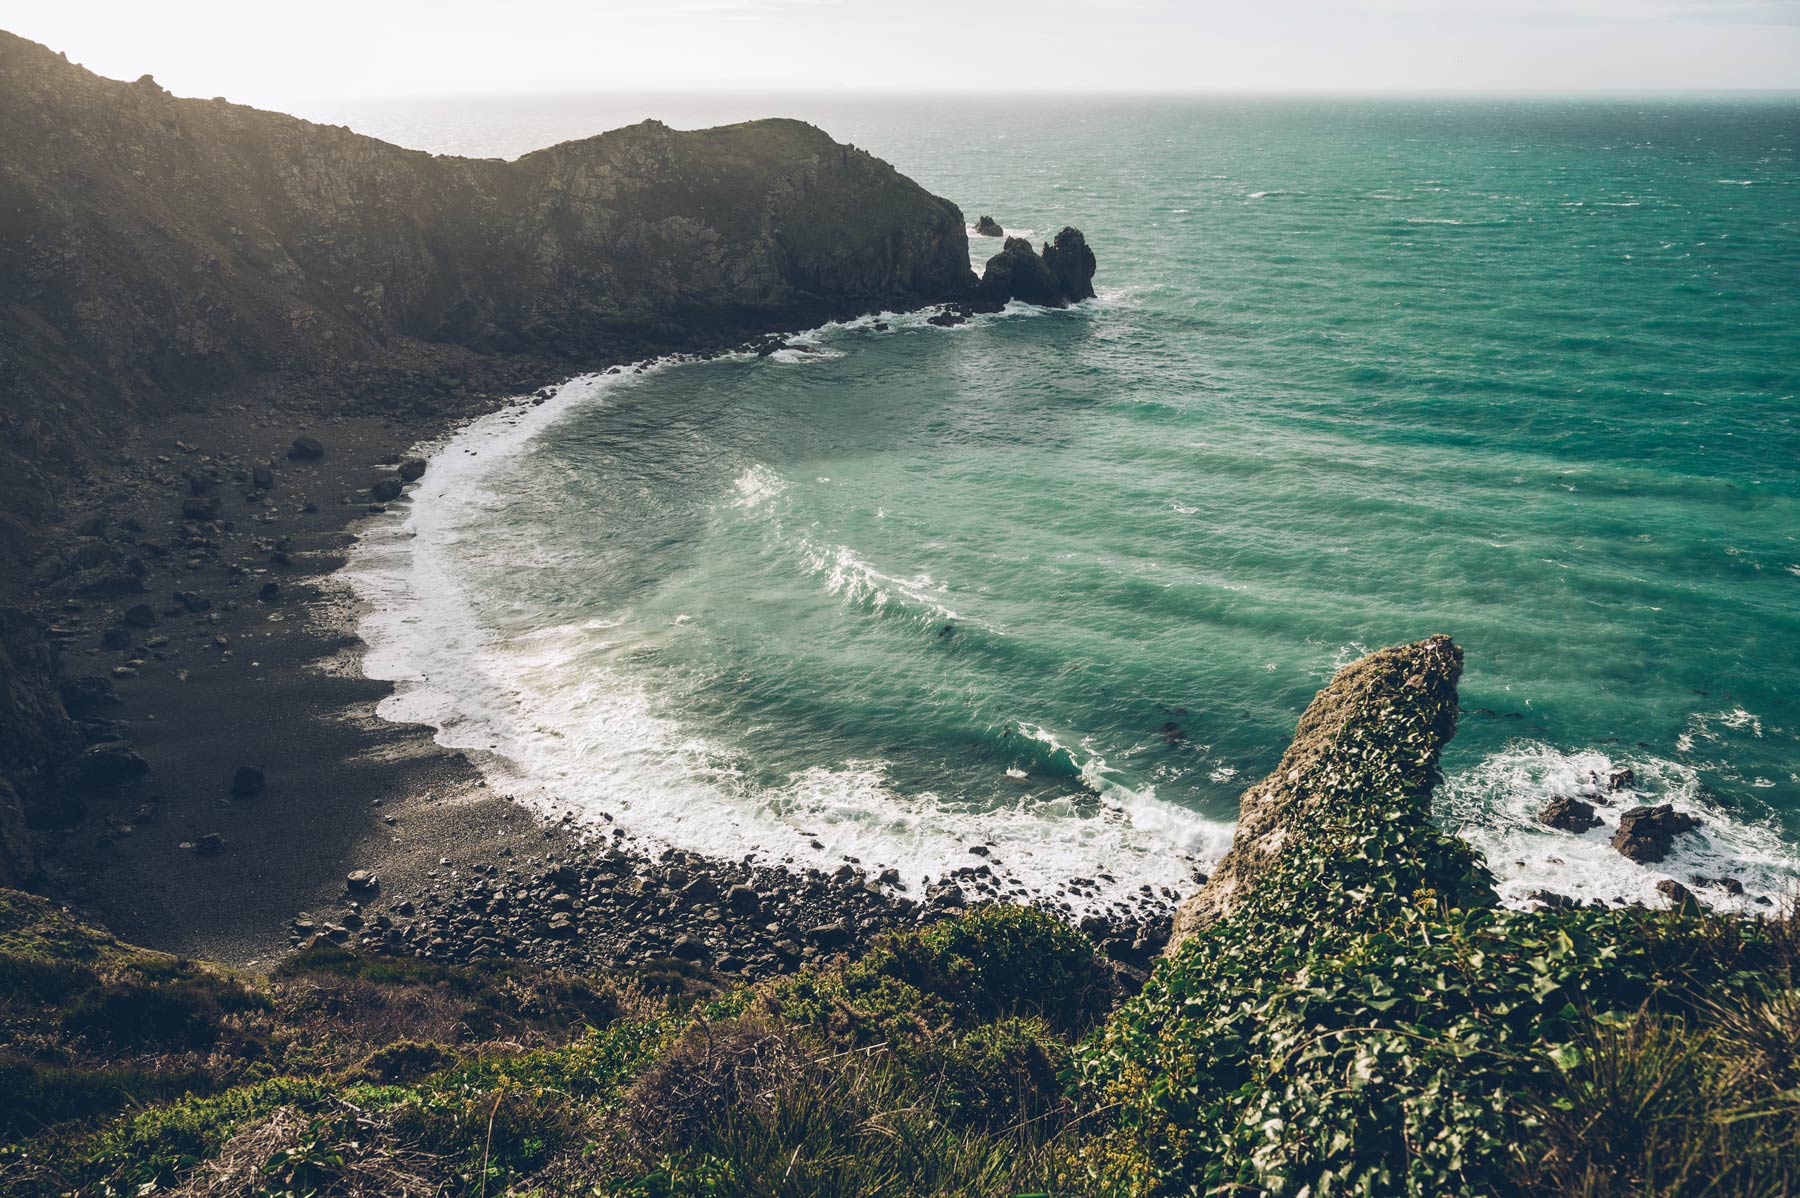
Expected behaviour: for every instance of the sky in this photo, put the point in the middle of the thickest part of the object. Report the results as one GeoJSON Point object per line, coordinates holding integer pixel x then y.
{"type": "Point", "coordinates": [268, 54]}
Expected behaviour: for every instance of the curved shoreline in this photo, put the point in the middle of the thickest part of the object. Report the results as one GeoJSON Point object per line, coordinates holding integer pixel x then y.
{"type": "Point", "coordinates": [384, 575]}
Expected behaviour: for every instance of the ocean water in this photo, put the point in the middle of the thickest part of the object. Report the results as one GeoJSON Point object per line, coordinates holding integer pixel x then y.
{"type": "Point", "coordinates": [1056, 585]}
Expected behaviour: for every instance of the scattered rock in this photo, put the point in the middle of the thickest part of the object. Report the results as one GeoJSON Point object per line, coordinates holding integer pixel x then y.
{"type": "Point", "coordinates": [306, 449]}
{"type": "Point", "coordinates": [361, 881]}
{"type": "Point", "coordinates": [262, 478]}
{"type": "Point", "coordinates": [269, 592]}
{"type": "Point", "coordinates": [209, 844]}
{"type": "Point", "coordinates": [139, 616]}
{"type": "Point", "coordinates": [1569, 815]}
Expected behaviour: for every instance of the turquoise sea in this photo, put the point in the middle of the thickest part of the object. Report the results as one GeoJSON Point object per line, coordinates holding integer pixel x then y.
{"type": "Point", "coordinates": [1056, 585]}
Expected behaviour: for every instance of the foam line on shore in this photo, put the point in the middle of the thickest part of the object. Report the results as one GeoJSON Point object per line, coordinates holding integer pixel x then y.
{"type": "Point", "coordinates": [555, 724]}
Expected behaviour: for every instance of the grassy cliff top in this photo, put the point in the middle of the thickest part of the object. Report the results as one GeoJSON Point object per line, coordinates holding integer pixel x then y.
{"type": "Point", "coordinates": [1357, 1018]}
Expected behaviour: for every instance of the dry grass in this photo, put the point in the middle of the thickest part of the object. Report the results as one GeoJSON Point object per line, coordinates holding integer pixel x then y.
{"type": "Point", "coordinates": [283, 1154]}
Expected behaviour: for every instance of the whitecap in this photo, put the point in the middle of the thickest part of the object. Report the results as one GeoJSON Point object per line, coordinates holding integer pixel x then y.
{"type": "Point", "coordinates": [1494, 805]}
{"type": "Point", "coordinates": [756, 486]}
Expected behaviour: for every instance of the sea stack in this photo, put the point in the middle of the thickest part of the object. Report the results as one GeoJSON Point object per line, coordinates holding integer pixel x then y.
{"type": "Point", "coordinates": [1062, 275]}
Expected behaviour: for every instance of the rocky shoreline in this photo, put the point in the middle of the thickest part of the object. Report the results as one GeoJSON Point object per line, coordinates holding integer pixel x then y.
{"type": "Point", "coordinates": [302, 817]}
{"type": "Point", "coordinates": [237, 326]}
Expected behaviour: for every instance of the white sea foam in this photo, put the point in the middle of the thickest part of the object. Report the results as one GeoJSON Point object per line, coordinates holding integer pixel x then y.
{"type": "Point", "coordinates": [1494, 805]}
{"type": "Point", "coordinates": [854, 580]}
{"type": "Point", "coordinates": [558, 723]}
{"type": "Point", "coordinates": [756, 486]}
{"type": "Point", "coordinates": [1027, 234]}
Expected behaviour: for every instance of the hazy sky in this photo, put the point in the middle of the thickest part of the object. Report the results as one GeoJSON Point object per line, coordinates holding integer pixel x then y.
{"type": "Point", "coordinates": [265, 53]}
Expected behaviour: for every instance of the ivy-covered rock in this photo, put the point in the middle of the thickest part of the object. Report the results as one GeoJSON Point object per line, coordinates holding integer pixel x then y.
{"type": "Point", "coordinates": [1347, 1011]}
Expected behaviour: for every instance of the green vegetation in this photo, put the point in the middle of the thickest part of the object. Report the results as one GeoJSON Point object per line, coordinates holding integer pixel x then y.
{"type": "Point", "coordinates": [1361, 1020]}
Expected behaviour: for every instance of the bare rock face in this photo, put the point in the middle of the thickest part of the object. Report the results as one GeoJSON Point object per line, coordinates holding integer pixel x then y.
{"type": "Point", "coordinates": [1384, 718]}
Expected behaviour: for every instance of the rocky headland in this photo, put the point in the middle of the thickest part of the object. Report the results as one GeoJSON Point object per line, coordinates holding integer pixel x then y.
{"type": "Point", "coordinates": [227, 328]}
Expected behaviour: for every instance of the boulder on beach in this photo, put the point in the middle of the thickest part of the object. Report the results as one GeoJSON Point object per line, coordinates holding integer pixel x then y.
{"type": "Point", "coordinates": [412, 469]}
{"type": "Point", "coordinates": [306, 449]}
{"type": "Point", "coordinates": [387, 489]}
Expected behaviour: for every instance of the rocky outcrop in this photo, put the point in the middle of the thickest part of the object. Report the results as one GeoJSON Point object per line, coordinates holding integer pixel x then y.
{"type": "Point", "coordinates": [1568, 815]}
{"type": "Point", "coordinates": [1071, 263]}
{"type": "Point", "coordinates": [1647, 834]}
{"type": "Point", "coordinates": [1063, 274]}
{"type": "Point", "coordinates": [1372, 737]}
{"type": "Point", "coordinates": [987, 226]}
{"type": "Point", "coordinates": [153, 247]}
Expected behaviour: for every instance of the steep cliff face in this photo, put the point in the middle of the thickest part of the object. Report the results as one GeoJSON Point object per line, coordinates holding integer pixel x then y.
{"type": "Point", "coordinates": [1371, 740]}
{"type": "Point", "coordinates": [153, 247]}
